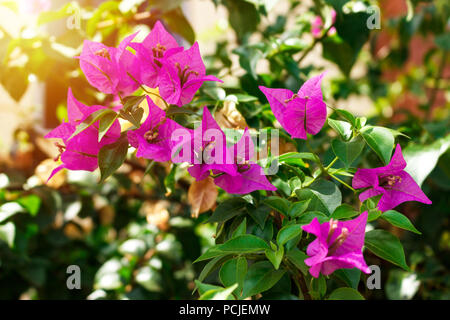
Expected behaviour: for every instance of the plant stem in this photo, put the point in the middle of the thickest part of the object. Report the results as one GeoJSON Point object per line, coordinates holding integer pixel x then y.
{"type": "Point", "coordinates": [345, 184]}
{"type": "Point", "coordinates": [299, 280]}
{"type": "Point", "coordinates": [311, 47]}
{"type": "Point", "coordinates": [331, 163]}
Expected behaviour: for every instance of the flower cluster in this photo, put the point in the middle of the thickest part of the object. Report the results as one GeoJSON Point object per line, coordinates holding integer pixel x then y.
{"type": "Point", "coordinates": [178, 73]}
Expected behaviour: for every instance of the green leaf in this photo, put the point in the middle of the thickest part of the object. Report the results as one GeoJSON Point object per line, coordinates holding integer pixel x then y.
{"type": "Point", "coordinates": [204, 287]}
{"type": "Point", "coordinates": [112, 156]}
{"type": "Point", "coordinates": [275, 256]}
{"type": "Point", "coordinates": [174, 110]}
{"type": "Point", "coordinates": [90, 120]}
{"type": "Point", "coordinates": [244, 244]}
{"type": "Point", "coordinates": [350, 276]}
{"type": "Point", "coordinates": [318, 287]}
{"type": "Point", "coordinates": [228, 209]}
{"type": "Point", "coordinates": [178, 23]}
{"type": "Point", "coordinates": [241, 229]}
{"type": "Point", "coordinates": [342, 127]}
{"type": "Point", "coordinates": [386, 246]}
{"type": "Point", "coordinates": [210, 267]}
{"type": "Point", "coordinates": [259, 214]}
{"type": "Point", "coordinates": [15, 81]}
{"type": "Point", "coordinates": [345, 294]}
{"type": "Point", "coordinates": [8, 233]}
{"type": "Point", "coordinates": [261, 276]}
{"type": "Point", "coordinates": [297, 257]}
{"type": "Point", "coordinates": [233, 272]}
{"type": "Point", "coordinates": [347, 115]}
{"type": "Point", "coordinates": [347, 152]}
{"type": "Point", "coordinates": [422, 159]}
{"type": "Point", "coordinates": [169, 180]}
{"type": "Point", "coordinates": [32, 203]}
{"type": "Point", "coordinates": [212, 252]}
{"type": "Point", "coordinates": [381, 140]}
{"type": "Point", "coordinates": [287, 233]}
{"type": "Point", "coordinates": [344, 211]}
{"type": "Point", "coordinates": [132, 102]}
{"type": "Point", "coordinates": [297, 208]}
{"type": "Point", "coordinates": [309, 216]}
{"type": "Point", "coordinates": [292, 157]}
{"type": "Point", "coordinates": [399, 220]}
{"type": "Point", "coordinates": [105, 123]}
{"type": "Point", "coordinates": [279, 204]}
{"type": "Point", "coordinates": [245, 17]}
{"type": "Point", "coordinates": [325, 196]}
{"type": "Point", "coordinates": [219, 294]}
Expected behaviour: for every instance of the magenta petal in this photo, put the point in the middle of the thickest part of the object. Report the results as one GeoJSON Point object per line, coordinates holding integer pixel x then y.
{"type": "Point", "coordinates": [369, 193]}
{"type": "Point", "coordinates": [338, 245]}
{"type": "Point", "coordinates": [312, 88]}
{"type": "Point", "coordinates": [405, 190]}
{"type": "Point", "coordinates": [76, 111]}
{"type": "Point", "coordinates": [101, 72]}
{"type": "Point", "coordinates": [316, 115]}
{"type": "Point", "coordinates": [355, 239]}
{"type": "Point", "coordinates": [348, 261]}
{"type": "Point", "coordinates": [63, 131]}
{"type": "Point", "coordinates": [169, 84]}
{"type": "Point", "coordinates": [364, 178]}
{"type": "Point", "coordinates": [278, 101]}
{"type": "Point", "coordinates": [313, 227]}
{"type": "Point", "coordinates": [253, 179]}
{"type": "Point", "coordinates": [55, 171]}
{"type": "Point", "coordinates": [397, 161]}
{"type": "Point", "coordinates": [295, 118]}
{"type": "Point", "coordinates": [244, 150]}
{"type": "Point", "coordinates": [159, 35]}
{"type": "Point", "coordinates": [305, 116]}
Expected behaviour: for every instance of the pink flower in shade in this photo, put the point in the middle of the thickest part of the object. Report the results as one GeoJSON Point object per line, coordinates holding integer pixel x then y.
{"type": "Point", "coordinates": [153, 139]}
{"type": "Point", "coordinates": [300, 113]}
{"type": "Point", "coordinates": [182, 74]}
{"type": "Point", "coordinates": [317, 25]}
{"type": "Point", "coordinates": [157, 46]}
{"type": "Point", "coordinates": [80, 152]}
{"type": "Point", "coordinates": [209, 149]}
{"type": "Point", "coordinates": [108, 68]}
{"type": "Point", "coordinates": [338, 245]}
{"type": "Point", "coordinates": [391, 182]}
{"type": "Point", "coordinates": [250, 176]}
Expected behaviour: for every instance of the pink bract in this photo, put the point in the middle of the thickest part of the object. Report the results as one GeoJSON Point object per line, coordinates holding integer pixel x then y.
{"type": "Point", "coordinates": [300, 113]}
{"type": "Point", "coordinates": [338, 245]}
{"type": "Point", "coordinates": [391, 182]}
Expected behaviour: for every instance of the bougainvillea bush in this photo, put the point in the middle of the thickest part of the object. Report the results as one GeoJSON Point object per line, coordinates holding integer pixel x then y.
{"type": "Point", "coordinates": [289, 194]}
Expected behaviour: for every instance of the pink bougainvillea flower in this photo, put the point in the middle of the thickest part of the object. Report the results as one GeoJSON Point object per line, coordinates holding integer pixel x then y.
{"type": "Point", "coordinates": [338, 245]}
{"type": "Point", "coordinates": [209, 149]}
{"type": "Point", "coordinates": [250, 176]}
{"type": "Point", "coordinates": [81, 151]}
{"type": "Point", "coordinates": [157, 46]}
{"type": "Point", "coordinates": [108, 68]}
{"type": "Point", "coordinates": [317, 25]}
{"type": "Point", "coordinates": [182, 74]}
{"type": "Point", "coordinates": [391, 182]}
{"type": "Point", "coordinates": [153, 139]}
{"type": "Point", "coordinates": [300, 113]}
